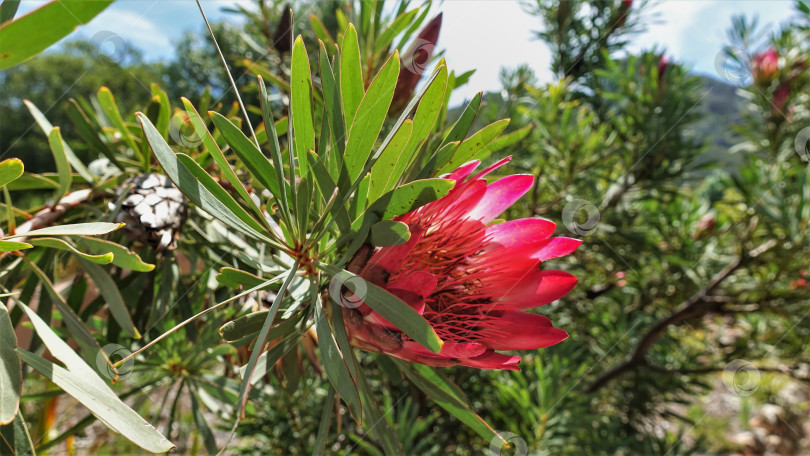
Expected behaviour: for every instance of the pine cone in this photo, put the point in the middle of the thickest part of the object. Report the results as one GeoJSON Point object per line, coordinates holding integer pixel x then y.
{"type": "Point", "coordinates": [154, 211]}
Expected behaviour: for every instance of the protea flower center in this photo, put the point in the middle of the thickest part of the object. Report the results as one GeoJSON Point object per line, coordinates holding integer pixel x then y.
{"type": "Point", "coordinates": [470, 280]}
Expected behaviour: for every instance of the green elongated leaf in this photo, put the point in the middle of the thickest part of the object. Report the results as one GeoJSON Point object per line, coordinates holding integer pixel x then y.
{"type": "Point", "coordinates": [188, 184]}
{"type": "Point", "coordinates": [328, 187]}
{"type": "Point", "coordinates": [80, 381]}
{"type": "Point", "coordinates": [410, 196]}
{"type": "Point", "coordinates": [14, 438]}
{"type": "Point", "coordinates": [62, 244]}
{"type": "Point", "coordinates": [74, 324]}
{"type": "Point", "coordinates": [52, 22]}
{"type": "Point", "coordinates": [336, 369]}
{"type": "Point", "coordinates": [249, 325]}
{"type": "Point", "coordinates": [370, 117]}
{"type": "Point", "coordinates": [448, 401]}
{"type": "Point", "coordinates": [389, 232]}
{"type": "Point", "coordinates": [89, 133]}
{"type": "Point", "coordinates": [10, 369]}
{"type": "Point", "coordinates": [219, 193]}
{"type": "Point", "coordinates": [165, 113]}
{"type": "Point", "coordinates": [236, 278]}
{"type": "Point", "coordinates": [266, 361]}
{"type": "Point", "coordinates": [76, 229]}
{"type": "Point", "coordinates": [301, 105]}
{"type": "Point", "coordinates": [326, 419]}
{"type": "Point", "coordinates": [303, 201]}
{"type": "Point", "coordinates": [34, 182]}
{"type": "Point", "coordinates": [212, 148]}
{"type": "Point", "coordinates": [62, 165]}
{"type": "Point", "coordinates": [202, 424]}
{"type": "Point", "coordinates": [320, 31]}
{"type": "Point", "coordinates": [392, 309]}
{"type": "Point", "coordinates": [123, 257]}
{"type": "Point", "coordinates": [387, 37]}
{"type": "Point", "coordinates": [391, 163]}
{"type": "Point", "coordinates": [470, 147]}
{"type": "Point", "coordinates": [46, 127]}
{"type": "Point", "coordinates": [259, 166]}
{"type": "Point", "coordinates": [264, 72]}
{"type": "Point", "coordinates": [509, 139]}
{"type": "Point", "coordinates": [250, 368]}
{"type": "Point", "coordinates": [331, 96]}
{"type": "Point", "coordinates": [351, 75]}
{"type": "Point", "coordinates": [275, 152]}
{"type": "Point", "coordinates": [109, 291]}
{"type": "Point", "coordinates": [428, 110]}
{"type": "Point", "coordinates": [431, 375]}
{"type": "Point", "coordinates": [10, 246]}
{"type": "Point", "coordinates": [8, 8]}
{"type": "Point", "coordinates": [464, 122]}
{"type": "Point", "coordinates": [110, 109]}
{"type": "Point", "coordinates": [10, 170]}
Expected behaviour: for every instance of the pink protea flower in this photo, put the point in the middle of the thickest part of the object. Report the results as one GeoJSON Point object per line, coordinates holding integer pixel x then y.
{"type": "Point", "coordinates": [765, 65]}
{"type": "Point", "coordinates": [471, 281]}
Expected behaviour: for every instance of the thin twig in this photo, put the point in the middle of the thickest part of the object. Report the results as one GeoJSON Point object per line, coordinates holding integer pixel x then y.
{"type": "Point", "coordinates": [698, 305]}
{"type": "Point", "coordinates": [228, 72]}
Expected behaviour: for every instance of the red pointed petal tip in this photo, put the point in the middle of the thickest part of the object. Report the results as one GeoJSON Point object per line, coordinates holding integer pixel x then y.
{"type": "Point", "coordinates": [520, 232]}
{"type": "Point", "coordinates": [537, 288]}
{"type": "Point", "coordinates": [522, 331]}
{"type": "Point", "coordinates": [492, 360]}
{"type": "Point", "coordinates": [556, 247]}
{"type": "Point", "coordinates": [492, 167]}
{"type": "Point", "coordinates": [462, 171]}
{"type": "Point", "coordinates": [500, 195]}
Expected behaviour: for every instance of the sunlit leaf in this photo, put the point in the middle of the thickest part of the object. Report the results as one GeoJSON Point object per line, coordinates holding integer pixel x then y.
{"type": "Point", "coordinates": [370, 116]}
{"type": "Point", "coordinates": [389, 232]}
{"type": "Point", "coordinates": [301, 105]}
{"type": "Point", "coordinates": [10, 369]}
{"type": "Point", "coordinates": [32, 33]}
{"type": "Point", "coordinates": [351, 75]}
{"type": "Point", "coordinates": [79, 380]}
{"type": "Point", "coordinates": [62, 244]}
{"type": "Point", "coordinates": [123, 257]}
{"type": "Point", "coordinates": [10, 170]}
{"type": "Point", "coordinates": [76, 229]}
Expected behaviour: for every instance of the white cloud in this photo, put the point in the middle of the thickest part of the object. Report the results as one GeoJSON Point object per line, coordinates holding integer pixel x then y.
{"type": "Point", "coordinates": [487, 36]}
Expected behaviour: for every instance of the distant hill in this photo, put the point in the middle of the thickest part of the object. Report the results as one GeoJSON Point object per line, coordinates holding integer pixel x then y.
{"type": "Point", "coordinates": [722, 108]}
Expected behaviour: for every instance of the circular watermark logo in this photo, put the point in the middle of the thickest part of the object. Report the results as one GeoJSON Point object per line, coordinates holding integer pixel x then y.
{"type": "Point", "coordinates": [733, 65]}
{"type": "Point", "coordinates": [741, 377]}
{"type": "Point", "coordinates": [114, 353]}
{"type": "Point", "coordinates": [355, 290]}
{"type": "Point", "coordinates": [422, 50]}
{"type": "Point", "coordinates": [182, 131]}
{"type": "Point", "coordinates": [802, 144]}
{"type": "Point", "coordinates": [580, 217]}
{"type": "Point", "coordinates": [508, 440]}
{"type": "Point", "coordinates": [110, 47]}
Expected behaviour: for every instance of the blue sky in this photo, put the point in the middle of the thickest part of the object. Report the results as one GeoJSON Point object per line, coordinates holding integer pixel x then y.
{"type": "Point", "coordinates": [691, 31]}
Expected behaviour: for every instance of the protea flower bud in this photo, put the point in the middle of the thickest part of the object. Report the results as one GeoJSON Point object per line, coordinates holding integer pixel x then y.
{"type": "Point", "coordinates": [764, 67]}
{"type": "Point", "coordinates": [470, 279]}
{"type": "Point", "coordinates": [663, 65]}
{"type": "Point", "coordinates": [624, 11]}
{"type": "Point", "coordinates": [780, 100]}
{"type": "Point", "coordinates": [413, 63]}
{"type": "Point", "coordinates": [282, 40]}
